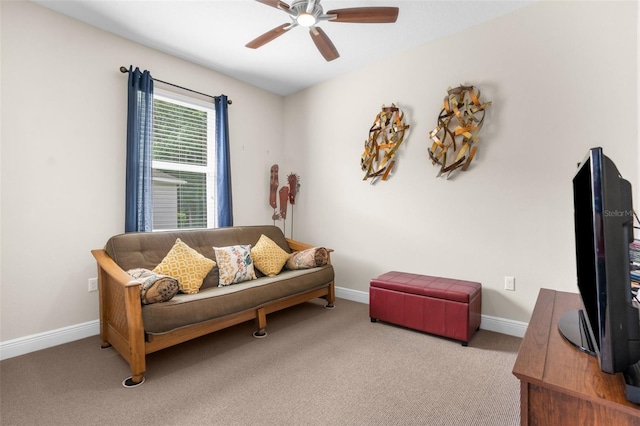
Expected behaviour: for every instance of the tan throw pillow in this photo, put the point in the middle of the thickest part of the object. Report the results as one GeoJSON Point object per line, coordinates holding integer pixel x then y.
{"type": "Point", "coordinates": [234, 264]}
{"type": "Point", "coordinates": [154, 288]}
{"type": "Point", "coordinates": [185, 265]}
{"type": "Point", "coordinates": [309, 258]}
{"type": "Point", "coordinates": [268, 256]}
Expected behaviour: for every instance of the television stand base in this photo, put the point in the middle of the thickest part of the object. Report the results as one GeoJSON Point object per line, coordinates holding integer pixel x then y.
{"type": "Point", "coordinates": [632, 383]}
{"type": "Point", "coordinates": [572, 325]}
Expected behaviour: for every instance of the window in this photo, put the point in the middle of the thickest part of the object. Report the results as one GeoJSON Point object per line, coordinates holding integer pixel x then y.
{"type": "Point", "coordinates": [183, 166]}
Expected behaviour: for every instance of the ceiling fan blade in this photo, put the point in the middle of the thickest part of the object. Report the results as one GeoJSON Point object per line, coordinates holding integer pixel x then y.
{"type": "Point", "coordinates": [275, 3]}
{"type": "Point", "coordinates": [324, 44]}
{"type": "Point", "coordinates": [371, 15]}
{"type": "Point", "coordinates": [268, 36]}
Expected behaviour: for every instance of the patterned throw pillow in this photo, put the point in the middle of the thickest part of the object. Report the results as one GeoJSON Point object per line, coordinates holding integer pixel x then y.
{"type": "Point", "coordinates": [268, 257]}
{"type": "Point", "coordinates": [185, 265]}
{"type": "Point", "coordinates": [234, 264]}
{"type": "Point", "coordinates": [154, 288]}
{"type": "Point", "coordinates": [309, 258]}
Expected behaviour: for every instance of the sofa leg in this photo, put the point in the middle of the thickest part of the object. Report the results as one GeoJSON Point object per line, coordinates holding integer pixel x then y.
{"type": "Point", "coordinates": [131, 382]}
{"type": "Point", "coordinates": [465, 343]}
{"type": "Point", "coordinates": [330, 297]}
{"type": "Point", "coordinates": [261, 323]}
{"type": "Point", "coordinates": [260, 333]}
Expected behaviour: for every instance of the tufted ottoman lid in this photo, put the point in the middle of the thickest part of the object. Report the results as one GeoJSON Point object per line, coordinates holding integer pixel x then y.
{"type": "Point", "coordinates": [437, 287]}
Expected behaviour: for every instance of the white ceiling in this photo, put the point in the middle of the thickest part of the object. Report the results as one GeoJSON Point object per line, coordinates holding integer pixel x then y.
{"type": "Point", "coordinates": [212, 33]}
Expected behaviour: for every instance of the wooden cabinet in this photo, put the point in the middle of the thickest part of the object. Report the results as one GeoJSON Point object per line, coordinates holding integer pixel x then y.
{"type": "Point", "coordinates": [560, 385]}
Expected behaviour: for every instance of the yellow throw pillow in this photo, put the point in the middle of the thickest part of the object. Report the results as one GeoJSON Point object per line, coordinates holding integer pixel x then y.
{"type": "Point", "coordinates": [268, 257]}
{"type": "Point", "coordinates": [185, 265]}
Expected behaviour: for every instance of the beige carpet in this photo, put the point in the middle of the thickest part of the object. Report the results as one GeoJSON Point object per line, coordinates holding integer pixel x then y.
{"type": "Point", "coordinates": [316, 367]}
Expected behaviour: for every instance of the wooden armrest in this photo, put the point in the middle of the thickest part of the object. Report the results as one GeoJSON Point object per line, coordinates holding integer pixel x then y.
{"type": "Point", "coordinates": [111, 268]}
{"type": "Point", "coordinates": [298, 246]}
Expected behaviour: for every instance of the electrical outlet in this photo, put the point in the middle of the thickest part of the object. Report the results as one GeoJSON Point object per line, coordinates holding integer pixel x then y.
{"type": "Point", "coordinates": [93, 284]}
{"type": "Point", "coordinates": [510, 283]}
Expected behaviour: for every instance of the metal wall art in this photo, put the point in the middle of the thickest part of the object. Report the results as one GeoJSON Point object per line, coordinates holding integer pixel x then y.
{"type": "Point", "coordinates": [461, 118]}
{"type": "Point", "coordinates": [385, 136]}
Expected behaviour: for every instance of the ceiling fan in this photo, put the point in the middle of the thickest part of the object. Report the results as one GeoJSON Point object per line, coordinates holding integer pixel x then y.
{"type": "Point", "coordinates": [308, 13]}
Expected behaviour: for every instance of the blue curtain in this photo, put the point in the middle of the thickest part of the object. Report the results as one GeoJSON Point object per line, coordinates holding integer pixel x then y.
{"type": "Point", "coordinates": [138, 211]}
{"type": "Point", "coordinates": [224, 214]}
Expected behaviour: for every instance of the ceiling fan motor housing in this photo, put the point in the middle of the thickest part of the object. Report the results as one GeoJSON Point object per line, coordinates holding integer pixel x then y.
{"type": "Point", "coordinates": [299, 8]}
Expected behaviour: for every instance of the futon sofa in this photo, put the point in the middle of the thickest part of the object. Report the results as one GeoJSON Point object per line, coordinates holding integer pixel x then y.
{"type": "Point", "coordinates": [135, 329]}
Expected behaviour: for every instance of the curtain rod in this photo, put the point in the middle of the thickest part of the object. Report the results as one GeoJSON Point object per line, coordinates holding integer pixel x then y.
{"type": "Point", "coordinates": [124, 70]}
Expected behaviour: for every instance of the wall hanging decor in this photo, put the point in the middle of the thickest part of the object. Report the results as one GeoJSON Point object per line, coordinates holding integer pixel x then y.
{"type": "Point", "coordinates": [280, 199]}
{"type": "Point", "coordinates": [385, 136]}
{"type": "Point", "coordinates": [456, 135]}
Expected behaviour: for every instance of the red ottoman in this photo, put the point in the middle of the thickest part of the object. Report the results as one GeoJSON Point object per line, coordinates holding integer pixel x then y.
{"type": "Point", "coordinates": [442, 306]}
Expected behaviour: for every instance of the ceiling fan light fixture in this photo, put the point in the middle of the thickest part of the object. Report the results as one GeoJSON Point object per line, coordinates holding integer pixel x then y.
{"type": "Point", "coordinates": [306, 19]}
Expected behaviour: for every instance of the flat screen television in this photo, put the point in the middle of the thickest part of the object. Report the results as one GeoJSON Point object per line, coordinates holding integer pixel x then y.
{"type": "Point", "coordinates": [609, 325]}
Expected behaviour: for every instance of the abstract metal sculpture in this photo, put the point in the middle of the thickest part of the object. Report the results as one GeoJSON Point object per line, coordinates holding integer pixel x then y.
{"type": "Point", "coordinates": [283, 196]}
{"type": "Point", "coordinates": [273, 190]}
{"type": "Point", "coordinates": [385, 136]}
{"type": "Point", "coordinates": [294, 187]}
{"type": "Point", "coordinates": [462, 105]}
{"type": "Point", "coordinates": [284, 200]}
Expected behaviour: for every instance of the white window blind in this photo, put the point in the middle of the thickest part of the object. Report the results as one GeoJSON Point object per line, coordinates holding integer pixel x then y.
{"type": "Point", "coordinates": [183, 162]}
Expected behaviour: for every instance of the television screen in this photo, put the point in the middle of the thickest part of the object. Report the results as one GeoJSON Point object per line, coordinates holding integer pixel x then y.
{"type": "Point", "coordinates": [586, 217]}
{"type": "Point", "coordinates": [609, 326]}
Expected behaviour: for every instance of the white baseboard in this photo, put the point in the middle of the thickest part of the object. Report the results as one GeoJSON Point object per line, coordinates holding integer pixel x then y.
{"type": "Point", "coordinates": [503, 325]}
{"type": "Point", "coordinates": [353, 295]}
{"type": "Point", "coordinates": [489, 323]}
{"type": "Point", "coordinates": [48, 339]}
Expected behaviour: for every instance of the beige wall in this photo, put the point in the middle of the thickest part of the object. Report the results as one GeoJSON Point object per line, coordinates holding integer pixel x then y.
{"type": "Point", "coordinates": [63, 155]}
{"type": "Point", "coordinates": [562, 77]}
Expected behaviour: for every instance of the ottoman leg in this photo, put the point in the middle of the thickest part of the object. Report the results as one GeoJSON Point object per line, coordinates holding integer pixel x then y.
{"type": "Point", "coordinates": [374, 319]}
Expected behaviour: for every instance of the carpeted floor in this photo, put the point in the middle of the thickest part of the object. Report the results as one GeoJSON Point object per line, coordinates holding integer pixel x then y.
{"type": "Point", "coordinates": [316, 367]}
